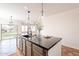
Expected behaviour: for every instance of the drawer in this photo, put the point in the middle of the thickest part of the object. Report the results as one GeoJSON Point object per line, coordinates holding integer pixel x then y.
{"type": "Point", "coordinates": [37, 49]}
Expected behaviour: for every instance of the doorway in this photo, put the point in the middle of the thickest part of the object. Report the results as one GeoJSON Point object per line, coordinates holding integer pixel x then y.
{"type": "Point", "coordinates": [8, 35]}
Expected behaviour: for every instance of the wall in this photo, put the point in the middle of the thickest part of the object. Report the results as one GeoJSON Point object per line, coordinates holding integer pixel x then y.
{"type": "Point", "coordinates": [64, 25]}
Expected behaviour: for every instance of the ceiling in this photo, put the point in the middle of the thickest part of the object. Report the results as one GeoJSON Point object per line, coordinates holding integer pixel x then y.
{"type": "Point", "coordinates": [17, 10]}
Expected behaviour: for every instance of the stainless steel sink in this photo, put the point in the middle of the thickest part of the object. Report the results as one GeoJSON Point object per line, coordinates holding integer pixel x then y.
{"type": "Point", "coordinates": [27, 36]}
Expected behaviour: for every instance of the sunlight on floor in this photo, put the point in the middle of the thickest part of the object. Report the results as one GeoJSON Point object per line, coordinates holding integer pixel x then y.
{"type": "Point", "coordinates": [7, 47]}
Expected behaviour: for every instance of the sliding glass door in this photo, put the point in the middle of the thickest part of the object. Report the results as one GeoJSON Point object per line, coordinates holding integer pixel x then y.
{"type": "Point", "coordinates": [7, 32]}
{"type": "Point", "coordinates": [7, 39]}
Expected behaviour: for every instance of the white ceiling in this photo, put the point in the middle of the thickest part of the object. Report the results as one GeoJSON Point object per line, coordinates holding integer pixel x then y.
{"type": "Point", "coordinates": [18, 12]}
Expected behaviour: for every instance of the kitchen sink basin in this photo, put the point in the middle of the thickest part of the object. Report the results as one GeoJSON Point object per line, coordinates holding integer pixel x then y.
{"type": "Point", "coordinates": [27, 36]}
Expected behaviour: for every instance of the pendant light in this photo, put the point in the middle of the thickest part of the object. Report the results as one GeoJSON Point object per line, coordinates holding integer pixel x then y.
{"type": "Point", "coordinates": [42, 11]}
{"type": "Point", "coordinates": [29, 31]}
{"type": "Point", "coordinates": [11, 22]}
{"type": "Point", "coordinates": [28, 17]}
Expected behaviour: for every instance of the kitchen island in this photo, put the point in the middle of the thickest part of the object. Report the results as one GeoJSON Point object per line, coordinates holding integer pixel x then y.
{"type": "Point", "coordinates": [43, 46]}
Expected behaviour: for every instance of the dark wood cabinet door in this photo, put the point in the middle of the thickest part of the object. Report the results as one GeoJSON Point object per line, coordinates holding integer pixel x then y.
{"type": "Point", "coordinates": [24, 47]}
{"type": "Point", "coordinates": [28, 48]}
{"type": "Point", "coordinates": [37, 51]}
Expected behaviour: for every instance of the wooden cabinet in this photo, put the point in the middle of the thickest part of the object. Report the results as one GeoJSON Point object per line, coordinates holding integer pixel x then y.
{"type": "Point", "coordinates": [28, 48]}
{"type": "Point", "coordinates": [33, 48]}
{"type": "Point", "coordinates": [37, 51]}
{"type": "Point", "coordinates": [24, 47]}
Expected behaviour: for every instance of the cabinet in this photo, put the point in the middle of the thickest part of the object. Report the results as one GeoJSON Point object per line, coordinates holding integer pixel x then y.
{"type": "Point", "coordinates": [33, 48]}
{"type": "Point", "coordinates": [28, 48]}
{"type": "Point", "coordinates": [38, 51]}
{"type": "Point", "coordinates": [24, 47]}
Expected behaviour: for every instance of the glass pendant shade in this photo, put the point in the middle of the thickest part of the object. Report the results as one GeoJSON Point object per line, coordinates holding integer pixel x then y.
{"type": "Point", "coordinates": [11, 22]}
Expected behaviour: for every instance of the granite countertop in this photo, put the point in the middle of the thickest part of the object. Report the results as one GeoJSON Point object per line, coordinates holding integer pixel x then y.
{"type": "Point", "coordinates": [43, 42]}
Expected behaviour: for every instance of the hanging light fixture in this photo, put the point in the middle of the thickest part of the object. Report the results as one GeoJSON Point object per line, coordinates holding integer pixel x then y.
{"type": "Point", "coordinates": [42, 12]}
{"type": "Point", "coordinates": [39, 25]}
{"type": "Point", "coordinates": [11, 22]}
{"type": "Point", "coordinates": [29, 32]}
{"type": "Point", "coordinates": [28, 17]}
{"type": "Point", "coordinates": [42, 9]}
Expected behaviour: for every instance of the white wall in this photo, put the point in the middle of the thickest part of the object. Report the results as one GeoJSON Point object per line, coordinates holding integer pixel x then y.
{"type": "Point", "coordinates": [64, 25]}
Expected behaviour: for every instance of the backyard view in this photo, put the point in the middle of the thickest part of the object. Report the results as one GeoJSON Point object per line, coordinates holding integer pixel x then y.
{"type": "Point", "coordinates": [7, 32]}
{"type": "Point", "coordinates": [7, 39]}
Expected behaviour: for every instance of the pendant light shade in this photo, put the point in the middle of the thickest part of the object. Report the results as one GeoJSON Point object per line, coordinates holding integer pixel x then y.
{"type": "Point", "coordinates": [42, 11]}
{"type": "Point", "coordinates": [11, 22]}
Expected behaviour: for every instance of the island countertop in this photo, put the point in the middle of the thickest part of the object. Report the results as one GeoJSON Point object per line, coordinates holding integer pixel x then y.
{"type": "Point", "coordinates": [43, 42]}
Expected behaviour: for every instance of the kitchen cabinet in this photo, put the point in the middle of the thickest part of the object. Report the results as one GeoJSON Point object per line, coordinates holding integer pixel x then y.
{"type": "Point", "coordinates": [39, 47]}
{"type": "Point", "coordinates": [28, 48]}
